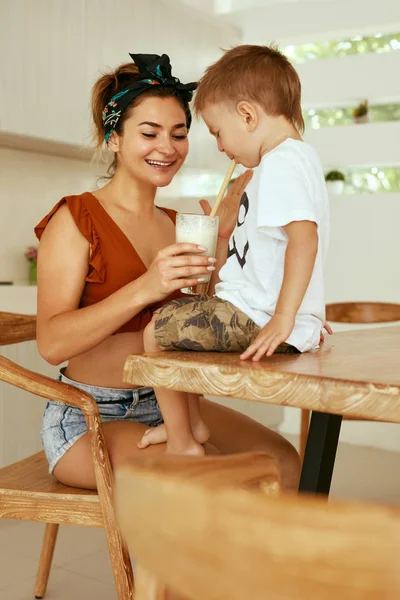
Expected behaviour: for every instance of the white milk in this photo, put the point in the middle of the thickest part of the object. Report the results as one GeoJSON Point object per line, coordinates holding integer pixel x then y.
{"type": "Point", "coordinates": [202, 231]}
{"type": "Point", "coordinates": [205, 238]}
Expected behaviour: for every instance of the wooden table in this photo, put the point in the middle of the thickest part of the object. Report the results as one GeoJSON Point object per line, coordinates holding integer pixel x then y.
{"type": "Point", "coordinates": [355, 373]}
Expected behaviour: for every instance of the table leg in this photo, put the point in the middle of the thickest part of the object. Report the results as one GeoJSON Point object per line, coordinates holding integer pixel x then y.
{"type": "Point", "coordinates": [319, 458]}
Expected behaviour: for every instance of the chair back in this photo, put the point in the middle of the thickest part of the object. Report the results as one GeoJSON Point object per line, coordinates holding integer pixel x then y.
{"type": "Point", "coordinates": [207, 542]}
{"type": "Point", "coordinates": [362, 312]}
{"type": "Point", "coordinates": [15, 328]}
{"type": "Point", "coordinates": [28, 492]}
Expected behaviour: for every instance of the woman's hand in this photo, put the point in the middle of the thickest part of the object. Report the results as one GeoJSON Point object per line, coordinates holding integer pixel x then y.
{"type": "Point", "coordinates": [229, 207]}
{"type": "Point", "coordinates": [175, 267]}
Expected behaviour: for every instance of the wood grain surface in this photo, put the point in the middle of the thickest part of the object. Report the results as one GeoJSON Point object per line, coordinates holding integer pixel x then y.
{"type": "Point", "coordinates": [208, 542]}
{"type": "Point", "coordinates": [29, 492]}
{"type": "Point", "coordinates": [355, 373]}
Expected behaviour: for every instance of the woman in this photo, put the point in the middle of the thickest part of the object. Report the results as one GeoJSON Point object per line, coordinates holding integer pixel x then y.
{"type": "Point", "coordinates": [107, 260]}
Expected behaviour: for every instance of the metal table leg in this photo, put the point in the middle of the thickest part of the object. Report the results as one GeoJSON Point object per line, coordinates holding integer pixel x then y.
{"type": "Point", "coordinates": [319, 458]}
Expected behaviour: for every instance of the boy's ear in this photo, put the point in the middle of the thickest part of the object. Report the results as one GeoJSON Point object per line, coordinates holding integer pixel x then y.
{"type": "Point", "coordinates": [248, 113]}
{"type": "Point", "coordinates": [113, 142]}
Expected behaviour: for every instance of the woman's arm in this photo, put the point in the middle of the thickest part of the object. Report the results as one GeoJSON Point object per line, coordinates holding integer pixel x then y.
{"type": "Point", "coordinates": [63, 329]}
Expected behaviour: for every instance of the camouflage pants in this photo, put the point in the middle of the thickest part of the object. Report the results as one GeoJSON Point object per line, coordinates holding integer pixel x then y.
{"type": "Point", "coordinates": [205, 323]}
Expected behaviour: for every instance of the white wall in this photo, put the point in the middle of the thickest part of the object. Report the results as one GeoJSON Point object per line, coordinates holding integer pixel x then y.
{"type": "Point", "coordinates": [305, 21]}
{"type": "Point", "coordinates": [20, 412]}
{"type": "Point", "coordinates": [368, 145]}
{"type": "Point", "coordinates": [364, 250]}
{"type": "Point", "coordinates": [347, 81]}
{"type": "Point", "coordinates": [362, 265]}
{"type": "Point", "coordinates": [56, 50]}
{"type": "Point", "coordinates": [30, 185]}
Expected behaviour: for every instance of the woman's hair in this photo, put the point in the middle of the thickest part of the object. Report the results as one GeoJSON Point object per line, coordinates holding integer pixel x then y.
{"type": "Point", "coordinates": [116, 81]}
{"type": "Point", "coordinates": [255, 73]}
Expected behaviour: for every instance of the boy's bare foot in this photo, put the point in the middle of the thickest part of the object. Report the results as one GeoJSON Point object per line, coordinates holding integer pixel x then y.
{"type": "Point", "coordinates": [158, 435]}
{"type": "Point", "coordinates": [154, 435]}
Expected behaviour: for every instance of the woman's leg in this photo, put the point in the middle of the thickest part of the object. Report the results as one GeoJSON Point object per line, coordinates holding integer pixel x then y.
{"type": "Point", "coordinates": [75, 468]}
{"type": "Point", "coordinates": [232, 432]}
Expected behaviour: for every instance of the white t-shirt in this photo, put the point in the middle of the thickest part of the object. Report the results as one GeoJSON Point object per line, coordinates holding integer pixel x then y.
{"type": "Point", "coordinates": [287, 186]}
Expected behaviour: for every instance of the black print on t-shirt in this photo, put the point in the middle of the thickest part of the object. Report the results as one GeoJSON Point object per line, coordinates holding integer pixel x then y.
{"type": "Point", "coordinates": [244, 201]}
{"type": "Point", "coordinates": [233, 251]}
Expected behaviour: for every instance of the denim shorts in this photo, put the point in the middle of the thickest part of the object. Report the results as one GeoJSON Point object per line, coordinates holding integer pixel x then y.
{"type": "Point", "coordinates": [63, 425]}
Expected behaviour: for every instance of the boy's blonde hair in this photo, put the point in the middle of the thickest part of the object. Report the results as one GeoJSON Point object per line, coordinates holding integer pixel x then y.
{"type": "Point", "coordinates": [260, 74]}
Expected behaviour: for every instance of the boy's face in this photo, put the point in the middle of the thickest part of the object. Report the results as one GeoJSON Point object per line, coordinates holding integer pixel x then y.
{"type": "Point", "coordinates": [235, 134]}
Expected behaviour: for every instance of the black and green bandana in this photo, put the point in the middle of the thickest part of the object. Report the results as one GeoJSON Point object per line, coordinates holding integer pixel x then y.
{"type": "Point", "coordinates": [153, 70]}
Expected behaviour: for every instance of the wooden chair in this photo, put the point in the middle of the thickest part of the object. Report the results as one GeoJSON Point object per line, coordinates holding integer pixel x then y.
{"type": "Point", "coordinates": [355, 313]}
{"type": "Point", "coordinates": [252, 471]}
{"type": "Point", "coordinates": [29, 493]}
{"type": "Point", "coordinates": [205, 541]}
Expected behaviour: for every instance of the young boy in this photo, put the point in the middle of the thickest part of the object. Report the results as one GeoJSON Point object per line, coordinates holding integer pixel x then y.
{"type": "Point", "coordinates": [268, 295]}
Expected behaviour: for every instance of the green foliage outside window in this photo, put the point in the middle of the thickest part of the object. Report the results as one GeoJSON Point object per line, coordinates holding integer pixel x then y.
{"type": "Point", "coordinates": [370, 180]}
{"type": "Point", "coordinates": [358, 44]}
{"type": "Point", "coordinates": [329, 117]}
{"type": "Point", "coordinates": [358, 180]}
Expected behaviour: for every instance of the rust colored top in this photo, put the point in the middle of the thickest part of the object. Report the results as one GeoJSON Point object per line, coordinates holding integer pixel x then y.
{"type": "Point", "coordinates": [113, 261]}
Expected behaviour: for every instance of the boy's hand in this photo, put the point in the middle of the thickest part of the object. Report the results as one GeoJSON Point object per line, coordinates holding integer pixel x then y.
{"type": "Point", "coordinates": [275, 332]}
{"type": "Point", "coordinates": [229, 207]}
{"type": "Point", "coordinates": [328, 329]}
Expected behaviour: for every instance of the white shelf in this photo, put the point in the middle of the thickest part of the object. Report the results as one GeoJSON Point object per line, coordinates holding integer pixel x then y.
{"type": "Point", "coordinates": [38, 145]}
{"type": "Point", "coordinates": [370, 144]}
{"type": "Point", "coordinates": [348, 80]}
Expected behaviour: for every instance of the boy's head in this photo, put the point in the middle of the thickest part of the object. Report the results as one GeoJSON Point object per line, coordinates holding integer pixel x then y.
{"type": "Point", "coordinates": [251, 100]}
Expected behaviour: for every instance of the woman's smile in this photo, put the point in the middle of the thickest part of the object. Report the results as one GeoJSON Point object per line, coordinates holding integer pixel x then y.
{"type": "Point", "coordinates": [160, 165]}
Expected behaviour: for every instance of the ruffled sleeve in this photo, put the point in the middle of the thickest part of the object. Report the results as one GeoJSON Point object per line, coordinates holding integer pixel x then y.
{"type": "Point", "coordinates": [84, 222]}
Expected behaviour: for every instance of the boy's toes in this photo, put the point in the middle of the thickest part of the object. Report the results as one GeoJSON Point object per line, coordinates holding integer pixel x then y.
{"type": "Point", "coordinates": [154, 435]}
{"type": "Point", "coordinates": [144, 442]}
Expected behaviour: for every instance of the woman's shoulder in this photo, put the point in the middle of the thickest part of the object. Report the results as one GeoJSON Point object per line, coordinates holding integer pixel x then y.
{"type": "Point", "coordinates": [69, 206]}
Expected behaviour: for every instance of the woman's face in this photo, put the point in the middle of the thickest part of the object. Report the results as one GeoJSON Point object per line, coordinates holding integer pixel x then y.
{"type": "Point", "coordinates": [154, 143]}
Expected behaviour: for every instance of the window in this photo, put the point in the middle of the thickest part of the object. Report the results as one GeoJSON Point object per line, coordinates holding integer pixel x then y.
{"type": "Point", "coordinates": [329, 117]}
{"type": "Point", "coordinates": [360, 180]}
{"type": "Point", "coordinates": [357, 44]}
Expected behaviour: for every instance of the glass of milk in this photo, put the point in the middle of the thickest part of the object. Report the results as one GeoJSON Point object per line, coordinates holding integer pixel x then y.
{"type": "Point", "coordinates": [201, 230]}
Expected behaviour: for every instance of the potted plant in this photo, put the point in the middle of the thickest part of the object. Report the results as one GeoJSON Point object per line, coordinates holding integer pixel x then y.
{"type": "Point", "coordinates": [335, 182]}
{"type": "Point", "coordinates": [31, 255]}
{"type": "Point", "coordinates": [361, 114]}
